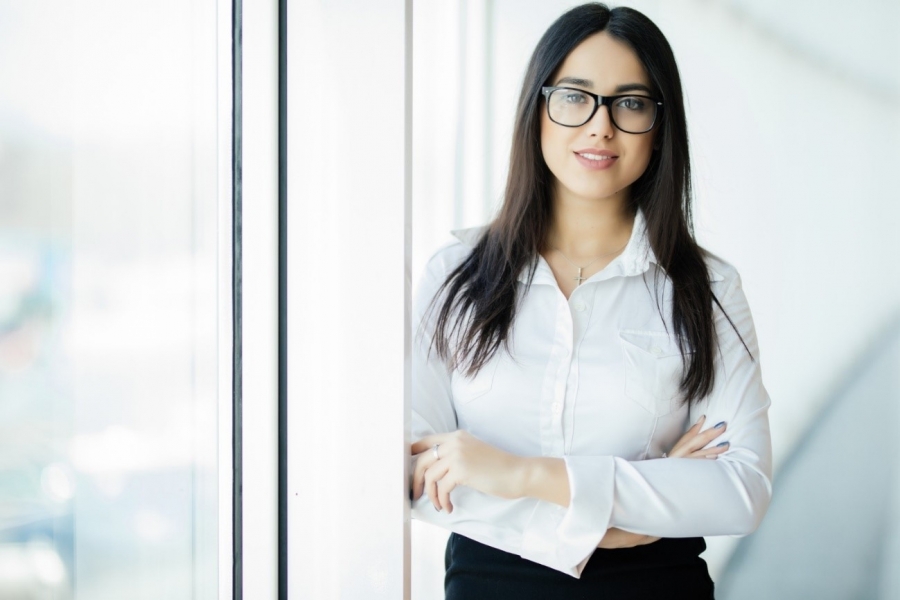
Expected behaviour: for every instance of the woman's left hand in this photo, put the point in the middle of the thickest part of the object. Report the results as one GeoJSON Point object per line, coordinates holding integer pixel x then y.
{"type": "Point", "coordinates": [693, 441]}
{"type": "Point", "coordinates": [465, 460]}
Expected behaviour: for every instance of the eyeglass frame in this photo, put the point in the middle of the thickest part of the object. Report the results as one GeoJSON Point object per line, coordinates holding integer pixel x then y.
{"type": "Point", "coordinates": [598, 101]}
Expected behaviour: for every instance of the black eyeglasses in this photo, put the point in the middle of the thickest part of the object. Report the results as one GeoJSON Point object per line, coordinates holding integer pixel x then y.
{"type": "Point", "coordinates": [571, 107]}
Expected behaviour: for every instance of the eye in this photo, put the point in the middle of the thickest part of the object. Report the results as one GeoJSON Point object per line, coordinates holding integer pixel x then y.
{"type": "Point", "coordinates": [573, 97]}
{"type": "Point", "coordinates": [634, 103]}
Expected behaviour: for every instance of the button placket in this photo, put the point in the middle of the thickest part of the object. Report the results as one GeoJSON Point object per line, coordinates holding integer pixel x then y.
{"type": "Point", "coordinates": [553, 405]}
{"type": "Point", "coordinates": [581, 316]}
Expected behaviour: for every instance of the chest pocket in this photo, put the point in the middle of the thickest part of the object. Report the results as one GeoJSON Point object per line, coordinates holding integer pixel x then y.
{"type": "Point", "coordinates": [467, 389]}
{"type": "Point", "coordinates": [653, 370]}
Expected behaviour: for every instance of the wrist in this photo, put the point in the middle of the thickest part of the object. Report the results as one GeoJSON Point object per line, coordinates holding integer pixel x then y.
{"type": "Point", "coordinates": [545, 478]}
{"type": "Point", "coordinates": [521, 476]}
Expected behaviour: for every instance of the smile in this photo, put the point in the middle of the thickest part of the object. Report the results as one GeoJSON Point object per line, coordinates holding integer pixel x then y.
{"type": "Point", "coordinates": [595, 156]}
{"type": "Point", "coordinates": [595, 162]}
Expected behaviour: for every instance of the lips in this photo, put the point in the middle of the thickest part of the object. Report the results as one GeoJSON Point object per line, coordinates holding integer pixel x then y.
{"type": "Point", "coordinates": [596, 153]}
{"type": "Point", "coordinates": [595, 156]}
{"type": "Point", "coordinates": [596, 159]}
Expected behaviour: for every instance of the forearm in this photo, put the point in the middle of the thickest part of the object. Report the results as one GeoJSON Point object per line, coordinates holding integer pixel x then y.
{"type": "Point", "coordinates": [683, 497]}
{"type": "Point", "coordinates": [545, 478]}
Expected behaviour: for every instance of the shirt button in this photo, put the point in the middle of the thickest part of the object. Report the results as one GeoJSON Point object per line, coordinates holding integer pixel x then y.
{"type": "Point", "coordinates": [557, 408]}
{"type": "Point", "coordinates": [579, 306]}
{"type": "Point", "coordinates": [564, 352]}
{"type": "Point", "coordinates": [656, 350]}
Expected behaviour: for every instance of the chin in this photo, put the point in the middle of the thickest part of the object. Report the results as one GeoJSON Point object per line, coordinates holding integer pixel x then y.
{"type": "Point", "coordinates": [595, 192]}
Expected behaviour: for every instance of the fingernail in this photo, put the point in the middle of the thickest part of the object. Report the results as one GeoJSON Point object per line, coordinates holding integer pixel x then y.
{"type": "Point", "coordinates": [719, 425]}
{"type": "Point", "coordinates": [722, 444]}
{"type": "Point", "coordinates": [700, 419]}
{"type": "Point", "coordinates": [436, 508]}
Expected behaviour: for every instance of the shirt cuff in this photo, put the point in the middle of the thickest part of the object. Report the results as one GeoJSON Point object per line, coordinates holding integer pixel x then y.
{"type": "Point", "coordinates": [565, 538]}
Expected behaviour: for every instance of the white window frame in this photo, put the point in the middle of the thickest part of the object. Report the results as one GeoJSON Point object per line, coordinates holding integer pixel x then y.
{"type": "Point", "coordinates": [256, 548]}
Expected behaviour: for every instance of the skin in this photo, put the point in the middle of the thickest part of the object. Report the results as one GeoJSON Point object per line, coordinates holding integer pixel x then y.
{"type": "Point", "coordinates": [589, 219]}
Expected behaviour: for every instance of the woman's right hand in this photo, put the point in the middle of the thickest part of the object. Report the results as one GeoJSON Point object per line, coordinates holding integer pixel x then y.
{"type": "Point", "coordinates": [689, 446]}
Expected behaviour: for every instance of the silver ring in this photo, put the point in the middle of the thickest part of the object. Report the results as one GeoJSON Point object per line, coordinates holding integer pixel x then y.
{"type": "Point", "coordinates": [664, 455]}
{"type": "Point", "coordinates": [434, 451]}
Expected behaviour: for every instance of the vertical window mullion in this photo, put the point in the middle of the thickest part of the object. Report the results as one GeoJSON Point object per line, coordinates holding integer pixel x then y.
{"type": "Point", "coordinates": [232, 467]}
{"type": "Point", "coordinates": [282, 304]}
{"type": "Point", "coordinates": [259, 289]}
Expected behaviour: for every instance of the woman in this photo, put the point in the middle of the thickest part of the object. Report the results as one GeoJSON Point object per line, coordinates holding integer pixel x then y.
{"type": "Point", "coordinates": [563, 349]}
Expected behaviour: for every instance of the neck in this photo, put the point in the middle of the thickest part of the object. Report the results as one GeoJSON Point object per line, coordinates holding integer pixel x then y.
{"type": "Point", "coordinates": [585, 228]}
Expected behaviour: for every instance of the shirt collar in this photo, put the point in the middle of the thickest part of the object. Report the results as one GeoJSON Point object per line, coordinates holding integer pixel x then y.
{"type": "Point", "coordinates": [470, 235]}
{"type": "Point", "coordinates": [634, 260]}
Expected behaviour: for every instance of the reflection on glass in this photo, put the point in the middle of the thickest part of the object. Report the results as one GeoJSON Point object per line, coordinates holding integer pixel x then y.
{"type": "Point", "coordinates": [108, 311]}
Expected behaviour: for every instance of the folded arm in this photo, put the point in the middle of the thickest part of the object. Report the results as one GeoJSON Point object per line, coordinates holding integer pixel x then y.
{"type": "Point", "coordinates": [672, 497]}
{"type": "Point", "coordinates": [569, 503]}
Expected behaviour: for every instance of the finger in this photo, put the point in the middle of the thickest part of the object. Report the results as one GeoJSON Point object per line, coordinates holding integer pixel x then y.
{"type": "Point", "coordinates": [411, 481]}
{"type": "Point", "coordinates": [713, 452]}
{"type": "Point", "coordinates": [685, 439]}
{"type": "Point", "coordinates": [432, 476]}
{"type": "Point", "coordinates": [705, 437]}
{"type": "Point", "coordinates": [702, 439]}
{"type": "Point", "coordinates": [696, 426]}
{"type": "Point", "coordinates": [424, 451]}
{"type": "Point", "coordinates": [444, 487]}
{"type": "Point", "coordinates": [418, 476]}
{"type": "Point", "coordinates": [428, 442]}
{"type": "Point", "coordinates": [423, 461]}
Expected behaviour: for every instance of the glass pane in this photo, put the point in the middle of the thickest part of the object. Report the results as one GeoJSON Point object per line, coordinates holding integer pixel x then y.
{"type": "Point", "coordinates": [109, 355]}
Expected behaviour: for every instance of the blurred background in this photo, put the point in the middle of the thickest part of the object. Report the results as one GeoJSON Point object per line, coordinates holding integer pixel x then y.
{"type": "Point", "coordinates": [794, 125]}
{"type": "Point", "coordinates": [108, 300]}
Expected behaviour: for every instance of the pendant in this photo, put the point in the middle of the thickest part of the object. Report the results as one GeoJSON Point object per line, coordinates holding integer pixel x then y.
{"type": "Point", "coordinates": [579, 279]}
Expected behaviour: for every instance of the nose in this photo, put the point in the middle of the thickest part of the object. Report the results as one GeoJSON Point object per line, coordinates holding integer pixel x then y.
{"type": "Point", "coordinates": [601, 123]}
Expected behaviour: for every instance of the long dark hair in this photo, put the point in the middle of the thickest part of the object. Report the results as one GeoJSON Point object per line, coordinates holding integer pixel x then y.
{"type": "Point", "coordinates": [479, 297]}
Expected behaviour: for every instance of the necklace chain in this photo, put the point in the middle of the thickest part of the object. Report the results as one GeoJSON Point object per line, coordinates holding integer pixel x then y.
{"type": "Point", "coordinates": [579, 278]}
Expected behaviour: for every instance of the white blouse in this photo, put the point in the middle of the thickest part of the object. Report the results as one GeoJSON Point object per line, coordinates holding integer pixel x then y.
{"type": "Point", "coordinates": [594, 380]}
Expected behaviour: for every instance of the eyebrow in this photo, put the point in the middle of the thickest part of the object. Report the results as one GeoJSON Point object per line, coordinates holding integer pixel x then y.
{"type": "Point", "coordinates": [625, 87]}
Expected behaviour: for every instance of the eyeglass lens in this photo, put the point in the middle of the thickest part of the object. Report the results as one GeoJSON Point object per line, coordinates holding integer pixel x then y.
{"type": "Point", "coordinates": [633, 114]}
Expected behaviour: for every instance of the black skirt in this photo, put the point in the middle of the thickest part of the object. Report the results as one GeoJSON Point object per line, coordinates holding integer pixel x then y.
{"type": "Point", "coordinates": [667, 568]}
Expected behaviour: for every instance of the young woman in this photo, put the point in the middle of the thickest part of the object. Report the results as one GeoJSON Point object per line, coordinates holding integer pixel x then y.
{"type": "Point", "coordinates": [572, 356]}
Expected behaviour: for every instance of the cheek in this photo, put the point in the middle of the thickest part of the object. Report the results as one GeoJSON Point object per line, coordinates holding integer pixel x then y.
{"type": "Point", "coordinates": [644, 153]}
{"type": "Point", "coordinates": [553, 145]}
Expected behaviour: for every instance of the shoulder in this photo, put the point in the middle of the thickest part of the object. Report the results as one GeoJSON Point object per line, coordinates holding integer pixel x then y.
{"type": "Point", "coordinates": [452, 253]}
{"type": "Point", "coordinates": [726, 285]}
{"type": "Point", "coordinates": [444, 260]}
{"type": "Point", "coordinates": [723, 275]}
